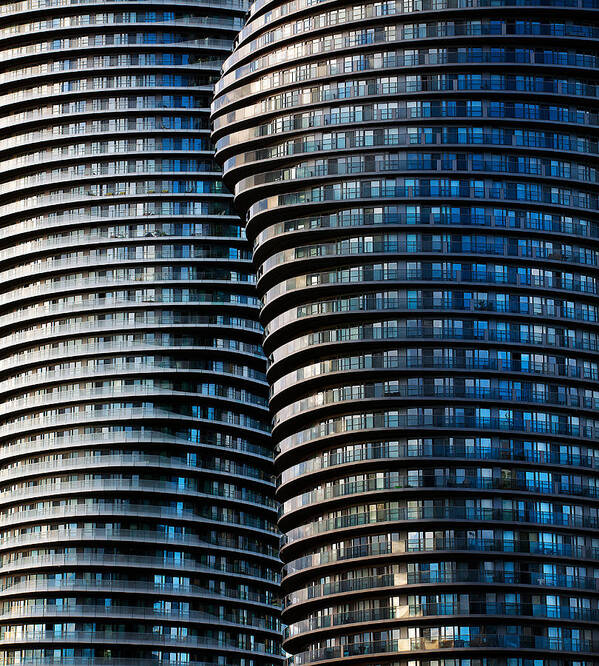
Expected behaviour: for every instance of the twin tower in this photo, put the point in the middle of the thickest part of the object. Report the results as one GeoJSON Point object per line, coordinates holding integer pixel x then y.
{"type": "Point", "coordinates": [420, 250]}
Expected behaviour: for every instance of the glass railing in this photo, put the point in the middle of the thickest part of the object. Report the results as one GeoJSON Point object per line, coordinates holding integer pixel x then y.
{"type": "Point", "coordinates": [36, 585]}
{"type": "Point", "coordinates": [260, 19]}
{"type": "Point", "coordinates": [65, 394]}
{"type": "Point", "coordinates": [386, 481]}
{"type": "Point", "coordinates": [245, 521]}
{"type": "Point", "coordinates": [50, 487]}
{"type": "Point", "coordinates": [443, 513]}
{"type": "Point", "coordinates": [568, 368]}
{"type": "Point", "coordinates": [62, 636]}
{"type": "Point", "coordinates": [394, 580]}
{"type": "Point", "coordinates": [120, 104]}
{"type": "Point", "coordinates": [213, 293]}
{"type": "Point", "coordinates": [332, 44]}
{"type": "Point", "coordinates": [408, 451]}
{"type": "Point", "coordinates": [92, 371]}
{"type": "Point", "coordinates": [28, 560]}
{"type": "Point", "coordinates": [394, 244]}
{"type": "Point", "coordinates": [373, 190]}
{"type": "Point", "coordinates": [398, 111]}
{"type": "Point", "coordinates": [49, 310]}
{"type": "Point", "coordinates": [61, 441]}
{"type": "Point", "coordinates": [90, 143]}
{"type": "Point", "coordinates": [367, 111]}
{"type": "Point", "coordinates": [563, 170]}
{"type": "Point", "coordinates": [521, 610]}
{"type": "Point", "coordinates": [117, 19]}
{"type": "Point", "coordinates": [136, 266]}
{"type": "Point", "coordinates": [56, 421]}
{"type": "Point", "coordinates": [369, 421]}
{"type": "Point", "coordinates": [449, 363]}
{"type": "Point", "coordinates": [138, 612]}
{"type": "Point", "coordinates": [82, 395]}
{"type": "Point", "coordinates": [541, 395]}
{"type": "Point", "coordinates": [371, 302]}
{"type": "Point", "coordinates": [356, 276]}
{"type": "Point", "coordinates": [95, 173]}
{"type": "Point", "coordinates": [136, 536]}
{"type": "Point", "coordinates": [156, 356]}
{"type": "Point", "coordinates": [389, 142]}
{"type": "Point", "coordinates": [475, 641]}
{"type": "Point", "coordinates": [350, 89]}
{"type": "Point", "coordinates": [58, 200]}
{"type": "Point", "coordinates": [95, 237]}
{"type": "Point", "coordinates": [160, 360]}
{"type": "Point", "coordinates": [322, 68]}
{"type": "Point", "coordinates": [28, 5]}
{"type": "Point", "coordinates": [433, 545]}
{"type": "Point", "coordinates": [25, 74]}
{"type": "Point", "coordinates": [466, 216]}
{"type": "Point", "coordinates": [149, 215]}
{"type": "Point", "coordinates": [28, 660]}
{"type": "Point", "coordinates": [86, 460]}
{"type": "Point", "coordinates": [57, 46]}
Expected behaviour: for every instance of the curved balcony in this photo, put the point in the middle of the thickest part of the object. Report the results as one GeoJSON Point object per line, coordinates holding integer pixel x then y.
{"type": "Point", "coordinates": [452, 513]}
{"type": "Point", "coordinates": [20, 636]}
{"type": "Point", "coordinates": [409, 646]}
{"type": "Point", "coordinates": [125, 537]}
{"type": "Point", "coordinates": [405, 547]}
{"type": "Point", "coordinates": [145, 563]}
{"type": "Point", "coordinates": [389, 582]}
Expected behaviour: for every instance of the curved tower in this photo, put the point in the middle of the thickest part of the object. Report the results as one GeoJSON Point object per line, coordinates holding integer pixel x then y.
{"type": "Point", "coordinates": [136, 509]}
{"type": "Point", "coordinates": [422, 191]}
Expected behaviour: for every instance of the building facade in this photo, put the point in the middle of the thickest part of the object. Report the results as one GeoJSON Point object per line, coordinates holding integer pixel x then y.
{"type": "Point", "coordinates": [137, 520]}
{"type": "Point", "coordinates": [421, 187]}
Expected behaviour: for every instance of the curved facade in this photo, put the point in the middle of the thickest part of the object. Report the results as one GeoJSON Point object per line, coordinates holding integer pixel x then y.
{"type": "Point", "coordinates": [420, 180]}
{"type": "Point", "coordinates": [137, 520]}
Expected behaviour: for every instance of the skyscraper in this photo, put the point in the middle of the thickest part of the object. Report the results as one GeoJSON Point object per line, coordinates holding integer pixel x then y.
{"type": "Point", "coordinates": [136, 516]}
{"type": "Point", "coordinates": [420, 179]}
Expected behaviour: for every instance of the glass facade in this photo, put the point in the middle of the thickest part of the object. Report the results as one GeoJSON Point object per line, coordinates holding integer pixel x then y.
{"type": "Point", "coordinates": [137, 518]}
{"type": "Point", "coordinates": [420, 180]}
